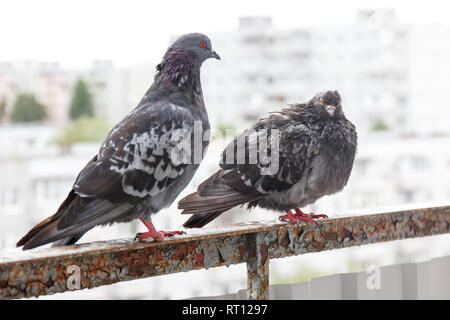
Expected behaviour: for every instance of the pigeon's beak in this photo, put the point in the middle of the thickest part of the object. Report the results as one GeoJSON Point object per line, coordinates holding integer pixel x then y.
{"type": "Point", "coordinates": [214, 54]}
{"type": "Point", "coordinates": [330, 109]}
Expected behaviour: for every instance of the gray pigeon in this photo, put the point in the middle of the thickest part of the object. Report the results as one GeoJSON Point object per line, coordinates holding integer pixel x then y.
{"type": "Point", "coordinates": [303, 152]}
{"type": "Point", "coordinates": [138, 170]}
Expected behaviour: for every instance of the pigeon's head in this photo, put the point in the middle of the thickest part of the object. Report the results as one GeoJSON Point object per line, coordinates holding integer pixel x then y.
{"type": "Point", "coordinates": [196, 43]}
{"type": "Point", "coordinates": [329, 102]}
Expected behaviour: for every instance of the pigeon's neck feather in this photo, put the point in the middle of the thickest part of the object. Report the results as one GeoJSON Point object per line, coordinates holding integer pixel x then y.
{"type": "Point", "coordinates": [179, 72]}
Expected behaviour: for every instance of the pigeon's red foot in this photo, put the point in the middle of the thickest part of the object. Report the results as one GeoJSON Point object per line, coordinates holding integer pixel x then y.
{"type": "Point", "coordinates": [312, 215]}
{"type": "Point", "coordinates": [171, 233]}
{"type": "Point", "coordinates": [300, 216]}
{"type": "Point", "coordinates": [152, 233]}
{"type": "Point", "coordinates": [157, 235]}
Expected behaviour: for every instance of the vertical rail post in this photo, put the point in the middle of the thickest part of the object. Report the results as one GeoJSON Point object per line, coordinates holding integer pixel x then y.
{"type": "Point", "coordinates": [258, 269]}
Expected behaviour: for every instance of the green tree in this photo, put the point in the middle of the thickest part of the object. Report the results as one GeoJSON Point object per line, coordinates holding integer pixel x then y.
{"type": "Point", "coordinates": [84, 129]}
{"type": "Point", "coordinates": [82, 103]}
{"type": "Point", "coordinates": [225, 129]}
{"type": "Point", "coordinates": [379, 125]}
{"type": "Point", "coordinates": [2, 108]}
{"type": "Point", "coordinates": [27, 109]}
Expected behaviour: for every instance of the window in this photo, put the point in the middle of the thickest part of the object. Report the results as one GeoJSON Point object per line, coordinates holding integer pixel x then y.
{"type": "Point", "coordinates": [419, 163]}
{"type": "Point", "coordinates": [52, 189]}
{"type": "Point", "coordinates": [362, 165]}
{"type": "Point", "coordinates": [10, 196]}
{"type": "Point", "coordinates": [407, 195]}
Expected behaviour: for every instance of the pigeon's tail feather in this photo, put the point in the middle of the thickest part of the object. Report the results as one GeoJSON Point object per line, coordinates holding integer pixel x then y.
{"type": "Point", "coordinates": [47, 230]}
{"type": "Point", "coordinates": [74, 217]}
{"type": "Point", "coordinates": [211, 200]}
{"type": "Point", "coordinates": [34, 231]}
{"type": "Point", "coordinates": [201, 219]}
{"type": "Point", "coordinates": [47, 222]}
{"type": "Point", "coordinates": [42, 234]}
{"type": "Point", "coordinates": [67, 241]}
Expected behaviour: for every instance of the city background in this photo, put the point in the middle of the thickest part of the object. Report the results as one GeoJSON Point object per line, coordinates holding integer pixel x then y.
{"type": "Point", "coordinates": [392, 71]}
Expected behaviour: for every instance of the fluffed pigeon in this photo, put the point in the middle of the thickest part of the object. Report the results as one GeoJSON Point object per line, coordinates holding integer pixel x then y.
{"type": "Point", "coordinates": [303, 152]}
{"type": "Point", "coordinates": [140, 167]}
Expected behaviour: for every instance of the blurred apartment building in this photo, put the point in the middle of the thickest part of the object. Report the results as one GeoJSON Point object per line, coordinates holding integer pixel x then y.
{"type": "Point", "coordinates": [34, 177]}
{"type": "Point", "coordinates": [384, 69]}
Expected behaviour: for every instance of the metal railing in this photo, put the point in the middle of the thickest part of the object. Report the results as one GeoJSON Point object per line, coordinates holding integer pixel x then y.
{"type": "Point", "coordinates": [46, 271]}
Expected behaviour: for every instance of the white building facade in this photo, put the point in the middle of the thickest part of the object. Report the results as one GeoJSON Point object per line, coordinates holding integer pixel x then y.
{"type": "Point", "coordinates": [384, 69]}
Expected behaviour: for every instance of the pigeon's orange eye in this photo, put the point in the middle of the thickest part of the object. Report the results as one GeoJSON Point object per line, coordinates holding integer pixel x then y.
{"type": "Point", "coordinates": [202, 44]}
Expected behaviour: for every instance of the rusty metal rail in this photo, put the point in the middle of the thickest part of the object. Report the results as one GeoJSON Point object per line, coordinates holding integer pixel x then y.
{"type": "Point", "coordinates": [51, 270]}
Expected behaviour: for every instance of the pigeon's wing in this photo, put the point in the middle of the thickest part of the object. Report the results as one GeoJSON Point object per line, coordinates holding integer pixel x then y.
{"type": "Point", "coordinates": [142, 156]}
{"type": "Point", "coordinates": [275, 158]}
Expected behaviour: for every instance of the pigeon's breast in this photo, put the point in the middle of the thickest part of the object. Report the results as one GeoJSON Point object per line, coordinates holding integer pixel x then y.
{"type": "Point", "coordinates": [326, 174]}
{"type": "Point", "coordinates": [165, 199]}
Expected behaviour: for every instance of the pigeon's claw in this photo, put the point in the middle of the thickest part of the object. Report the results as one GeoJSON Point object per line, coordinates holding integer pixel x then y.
{"type": "Point", "coordinates": [295, 218]}
{"type": "Point", "coordinates": [312, 215]}
{"type": "Point", "coordinates": [155, 235]}
{"type": "Point", "coordinates": [171, 233]}
{"type": "Point", "coordinates": [300, 216]}
{"type": "Point", "coordinates": [152, 233]}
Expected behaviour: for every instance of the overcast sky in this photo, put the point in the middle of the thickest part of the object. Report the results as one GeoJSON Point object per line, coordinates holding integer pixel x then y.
{"type": "Point", "coordinates": [76, 32]}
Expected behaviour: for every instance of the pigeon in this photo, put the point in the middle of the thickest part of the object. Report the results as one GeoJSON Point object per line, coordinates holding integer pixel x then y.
{"type": "Point", "coordinates": [283, 162]}
{"type": "Point", "coordinates": [140, 167]}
